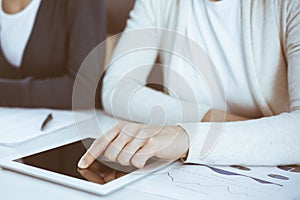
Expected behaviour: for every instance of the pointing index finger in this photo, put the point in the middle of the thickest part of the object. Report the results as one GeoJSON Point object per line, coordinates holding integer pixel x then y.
{"type": "Point", "coordinates": [98, 147]}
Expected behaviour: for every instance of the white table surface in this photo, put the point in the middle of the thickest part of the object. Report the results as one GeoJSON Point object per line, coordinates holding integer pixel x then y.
{"type": "Point", "coordinates": [14, 186]}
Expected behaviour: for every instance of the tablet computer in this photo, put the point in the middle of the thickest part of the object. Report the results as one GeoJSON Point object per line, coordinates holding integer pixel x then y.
{"type": "Point", "coordinates": [59, 165]}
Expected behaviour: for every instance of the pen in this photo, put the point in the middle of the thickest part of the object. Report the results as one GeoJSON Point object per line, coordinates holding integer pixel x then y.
{"type": "Point", "coordinates": [46, 121]}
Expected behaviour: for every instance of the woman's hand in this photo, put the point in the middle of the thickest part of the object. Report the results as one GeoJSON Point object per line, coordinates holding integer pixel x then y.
{"type": "Point", "coordinates": [132, 144]}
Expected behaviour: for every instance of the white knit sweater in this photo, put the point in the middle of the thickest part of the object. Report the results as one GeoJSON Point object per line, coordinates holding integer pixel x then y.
{"type": "Point", "coordinates": [271, 37]}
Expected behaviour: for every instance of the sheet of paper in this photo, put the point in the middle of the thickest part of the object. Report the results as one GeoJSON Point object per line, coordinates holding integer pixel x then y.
{"type": "Point", "coordinates": [204, 182]}
{"type": "Point", "coordinates": [18, 125]}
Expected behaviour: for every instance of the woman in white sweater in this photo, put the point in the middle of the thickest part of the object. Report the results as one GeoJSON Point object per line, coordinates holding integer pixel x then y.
{"type": "Point", "coordinates": [255, 104]}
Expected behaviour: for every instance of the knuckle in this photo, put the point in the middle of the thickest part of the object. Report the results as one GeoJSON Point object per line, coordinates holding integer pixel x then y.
{"type": "Point", "coordinates": [123, 161]}
{"type": "Point", "coordinates": [118, 144]}
{"type": "Point", "coordinates": [109, 156]}
{"type": "Point", "coordinates": [143, 134]}
{"type": "Point", "coordinates": [124, 158]}
{"type": "Point", "coordinates": [123, 138]}
{"type": "Point", "coordinates": [119, 125]}
{"type": "Point", "coordinates": [129, 131]}
{"type": "Point", "coordinates": [136, 162]}
{"type": "Point", "coordinates": [151, 141]}
{"type": "Point", "coordinates": [98, 141]}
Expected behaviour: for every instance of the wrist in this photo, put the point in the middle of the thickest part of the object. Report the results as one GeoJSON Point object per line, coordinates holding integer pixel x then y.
{"type": "Point", "coordinates": [185, 154]}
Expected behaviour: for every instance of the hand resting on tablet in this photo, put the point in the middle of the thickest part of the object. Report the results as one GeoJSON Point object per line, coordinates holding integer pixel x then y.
{"type": "Point", "coordinates": [131, 144]}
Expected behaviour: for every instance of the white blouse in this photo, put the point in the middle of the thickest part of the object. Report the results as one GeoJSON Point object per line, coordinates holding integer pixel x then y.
{"type": "Point", "coordinates": [216, 27]}
{"type": "Point", "coordinates": [15, 31]}
{"type": "Point", "coordinates": [271, 140]}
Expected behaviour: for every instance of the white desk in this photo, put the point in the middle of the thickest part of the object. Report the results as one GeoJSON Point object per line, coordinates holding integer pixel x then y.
{"type": "Point", "coordinates": [14, 186]}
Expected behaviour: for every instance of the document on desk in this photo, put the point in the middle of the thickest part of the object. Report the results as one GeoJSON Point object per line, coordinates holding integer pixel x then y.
{"type": "Point", "coordinates": [19, 125]}
{"type": "Point", "coordinates": [205, 182]}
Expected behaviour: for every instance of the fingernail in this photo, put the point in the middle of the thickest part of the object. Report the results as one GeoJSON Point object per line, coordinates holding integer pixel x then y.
{"type": "Point", "coordinates": [82, 164]}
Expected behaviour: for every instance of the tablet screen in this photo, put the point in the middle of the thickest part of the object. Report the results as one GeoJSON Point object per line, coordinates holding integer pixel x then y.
{"type": "Point", "coordinates": [64, 159]}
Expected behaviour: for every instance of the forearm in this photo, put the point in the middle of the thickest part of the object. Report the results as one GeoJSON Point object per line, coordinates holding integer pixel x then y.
{"type": "Point", "coordinates": [51, 93]}
{"type": "Point", "coordinates": [138, 103]}
{"type": "Point", "coordinates": [221, 116]}
{"type": "Point", "coordinates": [14, 92]}
{"type": "Point", "coordinates": [265, 141]}
{"type": "Point", "coordinates": [147, 105]}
